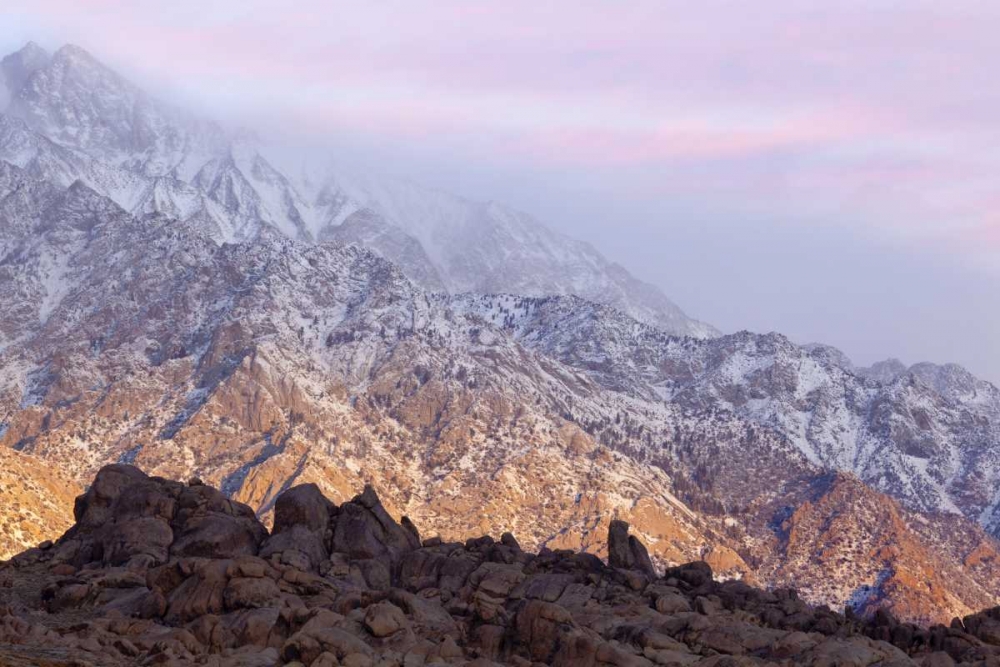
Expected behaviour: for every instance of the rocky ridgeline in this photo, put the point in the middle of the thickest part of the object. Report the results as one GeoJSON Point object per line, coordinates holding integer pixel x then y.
{"type": "Point", "coordinates": [156, 572]}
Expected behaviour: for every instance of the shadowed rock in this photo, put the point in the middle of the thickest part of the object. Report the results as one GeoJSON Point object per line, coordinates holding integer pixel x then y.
{"type": "Point", "coordinates": [363, 529]}
{"type": "Point", "coordinates": [126, 515]}
{"type": "Point", "coordinates": [301, 527]}
{"type": "Point", "coordinates": [626, 551]}
{"type": "Point", "coordinates": [160, 573]}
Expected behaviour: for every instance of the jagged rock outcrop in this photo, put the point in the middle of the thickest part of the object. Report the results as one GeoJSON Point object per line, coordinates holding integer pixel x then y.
{"type": "Point", "coordinates": [301, 531]}
{"type": "Point", "coordinates": [626, 551]}
{"type": "Point", "coordinates": [157, 572]}
{"type": "Point", "coordinates": [125, 516]}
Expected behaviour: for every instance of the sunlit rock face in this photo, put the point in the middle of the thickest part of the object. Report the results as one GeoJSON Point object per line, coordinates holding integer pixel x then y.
{"type": "Point", "coordinates": [175, 302]}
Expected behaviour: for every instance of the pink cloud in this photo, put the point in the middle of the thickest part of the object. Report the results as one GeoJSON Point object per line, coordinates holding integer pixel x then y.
{"type": "Point", "coordinates": [890, 108]}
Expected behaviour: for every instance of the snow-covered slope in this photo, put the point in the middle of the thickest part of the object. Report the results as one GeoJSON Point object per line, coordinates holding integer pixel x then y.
{"type": "Point", "coordinates": [259, 363]}
{"type": "Point", "coordinates": [71, 118]}
{"type": "Point", "coordinates": [217, 320]}
{"type": "Point", "coordinates": [486, 247]}
{"type": "Point", "coordinates": [929, 435]}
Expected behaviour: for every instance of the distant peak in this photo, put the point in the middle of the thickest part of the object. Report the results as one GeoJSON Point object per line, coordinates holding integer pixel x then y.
{"type": "Point", "coordinates": [884, 371]}
{"type": "Point", "coordinates": [18, 66]}
{"type": "Point", "coordinates": [33, 49]}
{"type": "Point", "coordinates": [831, 354]}
{"type": "Point", "coordinates": [74, 52]}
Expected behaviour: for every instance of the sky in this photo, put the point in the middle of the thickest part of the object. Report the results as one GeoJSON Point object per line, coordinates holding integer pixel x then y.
{"type": "Point", "coordinates": [827, 170]}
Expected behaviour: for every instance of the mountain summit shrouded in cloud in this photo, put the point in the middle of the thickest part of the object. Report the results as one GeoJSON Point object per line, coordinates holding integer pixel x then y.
{"type": "Point", "coordinates": [695, 145]}
{"type": "Point", "coordinates": [152, 158]}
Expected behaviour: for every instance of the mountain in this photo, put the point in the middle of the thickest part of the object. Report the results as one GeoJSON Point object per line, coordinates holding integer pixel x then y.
{"type": "Point", "coordinates": [72, 118]}
{"type": "Point", "coordinates": [927, 435]}
{"type": "Point", "coordinates": [485, 248]}
{"type": "Point", "coordinates": [235, 342]}
{"type": "Point", "coordinates": [269, 362]}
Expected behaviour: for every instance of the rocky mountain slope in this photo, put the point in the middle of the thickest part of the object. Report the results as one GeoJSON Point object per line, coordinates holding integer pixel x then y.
{"type": "Point", "coordinates": [71, 118]}
{"type": "Point", "coordinates": [927, 435]}
{"type": "Point", "coordinates": [219, 335]}
{"type": "Point", "coordinates": [270, 362]}
{"type": "Point", "coordinates": [36, 501]}
{"type": "Point", "coordinates": [158, 572]}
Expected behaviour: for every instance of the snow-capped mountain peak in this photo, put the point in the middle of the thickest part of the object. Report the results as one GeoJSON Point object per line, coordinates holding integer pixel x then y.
{"type": "Point", "coordinates": [84, 121]}
{"type": "Point", "coordinates": [18, 66]}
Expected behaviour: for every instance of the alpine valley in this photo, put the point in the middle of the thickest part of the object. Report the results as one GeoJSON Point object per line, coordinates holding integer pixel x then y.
{"type": "Point", "coordinates": [174, 299]}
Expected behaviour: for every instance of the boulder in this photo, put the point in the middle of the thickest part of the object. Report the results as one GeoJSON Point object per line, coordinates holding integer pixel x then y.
{"type": "Point", "coordinates": [124, 514]}
{"type": "Point", "coordinates": [384, 619]}
{"type": "Point", "coordinates": [302, 506]}
{"type": "Point", "coordinates": [251, 593]}
{"type": "Point", "coordinates": [626, 551]}
{"type": "Point", "coordinates": [363, 529]}
{"type": "Point", "coordinates": [208, 524]}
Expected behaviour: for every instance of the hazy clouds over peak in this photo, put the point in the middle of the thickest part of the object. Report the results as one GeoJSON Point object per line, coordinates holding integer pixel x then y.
{"type": "Point", "coordinates": [828, 171]}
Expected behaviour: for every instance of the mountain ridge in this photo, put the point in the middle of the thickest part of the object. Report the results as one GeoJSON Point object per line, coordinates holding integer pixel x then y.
{"type": "Point", "coordinates": [204, 335]}
{"type": "Point", "coordinates": [257, 364]}
{"type": "Point", "coordinates": [161, 159]}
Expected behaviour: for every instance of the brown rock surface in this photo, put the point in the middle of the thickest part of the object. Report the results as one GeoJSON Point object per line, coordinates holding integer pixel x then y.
{"type": "Point", "coordinates": [108, 593]}
{"type": "Point", "coordinates": [36, 502]}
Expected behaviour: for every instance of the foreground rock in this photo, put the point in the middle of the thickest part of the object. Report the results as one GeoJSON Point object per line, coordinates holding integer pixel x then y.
{"type": "Point", "coordinates": [161, 573]}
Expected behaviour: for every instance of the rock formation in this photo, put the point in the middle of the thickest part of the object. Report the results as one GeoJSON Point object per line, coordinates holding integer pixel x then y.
{"type": "Point", "coordinates": [156, 572]}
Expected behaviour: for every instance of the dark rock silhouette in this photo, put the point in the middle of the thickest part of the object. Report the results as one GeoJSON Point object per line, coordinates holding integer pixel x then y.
{"type": "Point", "coordinates": [160, 573]}
{"type": "Point", "coordinates": [626, 551]}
